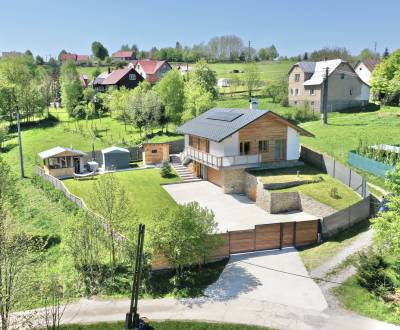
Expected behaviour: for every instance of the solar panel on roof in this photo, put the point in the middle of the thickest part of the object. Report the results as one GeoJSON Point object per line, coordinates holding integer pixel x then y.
{"type": "Point", "coordinates": [224, 116]}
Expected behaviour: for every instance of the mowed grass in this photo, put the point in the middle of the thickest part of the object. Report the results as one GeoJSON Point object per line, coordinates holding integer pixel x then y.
{"type": "Point", "coordinates": [315, 255]}
{"type": "Point", "coordinates": [320, 191]}
{"type": "Point", "coordinates": [360, 300]}
{"type": "Point", "coordinates": [145, 195]}
{"type": "Point", "coordinates": [166, 325]}
{"type": "Point", "coordinates": [344, 130]}
{"type": "Point", "coordinates": [88, 70]}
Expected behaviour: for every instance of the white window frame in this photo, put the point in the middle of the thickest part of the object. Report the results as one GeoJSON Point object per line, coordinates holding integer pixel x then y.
{"type": "Point", "coordinates": [312, 91]}
{"type": "Point", "coordinates": [297, 75]}
{"type": "Point", "coordinates": [132, 76]}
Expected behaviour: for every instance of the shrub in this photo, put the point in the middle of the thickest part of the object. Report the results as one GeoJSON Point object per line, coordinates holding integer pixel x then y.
{"type": "Point", "coordinates": [334, 193]}
{"type": "Point", "coordinates": [166, 170]}
{"type": "Point", "coordinates": [372, 273]}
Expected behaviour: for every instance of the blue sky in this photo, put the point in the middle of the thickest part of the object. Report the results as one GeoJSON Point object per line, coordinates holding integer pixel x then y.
{"type": "Point", "coordinates": [47, 26]}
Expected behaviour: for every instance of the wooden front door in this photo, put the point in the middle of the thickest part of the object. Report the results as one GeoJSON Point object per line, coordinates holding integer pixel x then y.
{"type": "Point", "coordinates": [197, 169]}
{"type": "Point", "coordinates": [280, 150]}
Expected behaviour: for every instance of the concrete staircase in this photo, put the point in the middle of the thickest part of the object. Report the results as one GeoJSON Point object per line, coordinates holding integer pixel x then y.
{"type": "Point", "coordinates": [182, 170]}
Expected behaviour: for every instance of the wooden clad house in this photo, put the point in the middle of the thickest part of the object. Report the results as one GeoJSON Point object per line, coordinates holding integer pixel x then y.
{"type": "Point", "coordinates": [127, 77]}
{"type": "Point", "coordinates": [222, 143]}
{"type": "Point", "coordinates": [62, 162]}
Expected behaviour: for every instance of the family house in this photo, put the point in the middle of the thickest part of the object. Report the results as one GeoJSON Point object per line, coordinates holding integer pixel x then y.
{"type": "Point", "coordinates": [77, 59]}
{"type": "Point", "coordinates": [121, 56]}
{"type": "Point", "coordinates": [365, 68]}
{"type": "Point", "coordinates": [151, 70]}
{"type": "Point", "coordinates": [345, 88]}
{"type": "Point", "coordinates": [222, 143]}
{"type": "Point", "coordinates": [127, 77]}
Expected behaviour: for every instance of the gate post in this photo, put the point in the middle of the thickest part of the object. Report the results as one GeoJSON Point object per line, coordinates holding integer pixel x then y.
{"type": "Point", "coordinates": [281, 236]}
{"type": "Point", "coordinates": [294, 233]}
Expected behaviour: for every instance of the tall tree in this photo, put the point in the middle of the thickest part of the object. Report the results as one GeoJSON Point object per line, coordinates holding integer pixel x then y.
{"type": "Point", "coordinates": [99, 50]}
{"type": "Point", "coordinates": [262, 54]}
{"type": "Point", "coordinates": [386, 53]}
{"type": "Point", "coordinates": [197, 100]}
{"type": "Point", "coordinates": [331, 54]}
{"type": "Point", "coordinates": [171, 90]}
{"type": "Point", "coordinates": [71, 87]}
{"type": "Point", "coordinates": [204, 76]}
{"type": "Point", "coordinates": [305, 56]}
{"type": "Point", "coordinates": [272, 52]}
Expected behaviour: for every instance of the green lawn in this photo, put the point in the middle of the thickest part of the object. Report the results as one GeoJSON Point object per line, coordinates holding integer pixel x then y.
{"type": "Point", "coordinates": [360, 300]}
{"type": "Point", "coordinates": [167, 325]}
{"type": "Point", "coordinates": [315, 255]}
{"type": "Point", "coordinates": [345, 130]}
{"type": "Point", "coordinates": [145, 195]}
{"type": "Point", "coordinates": [319, 191]}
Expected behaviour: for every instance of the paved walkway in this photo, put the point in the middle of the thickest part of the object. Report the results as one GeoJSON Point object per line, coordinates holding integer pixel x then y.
{"type": "Point", "coordinates": [232, 211]}
{"type": "Point", "coordinates": [268, 288]}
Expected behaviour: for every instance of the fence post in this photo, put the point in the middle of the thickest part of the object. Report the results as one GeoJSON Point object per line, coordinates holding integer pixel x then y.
{"type": "Point", "coordinates": [294, 233]}
{"type": "Point", "coordinates": [281, 236]}
{"type": "Point", "coordinates": [334, 168]}
{"type": "Point", "coordinates": [350, 174]}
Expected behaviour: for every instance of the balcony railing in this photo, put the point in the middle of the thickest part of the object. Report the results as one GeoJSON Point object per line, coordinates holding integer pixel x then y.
{"type": "Point", "coordinates": [221, 161]}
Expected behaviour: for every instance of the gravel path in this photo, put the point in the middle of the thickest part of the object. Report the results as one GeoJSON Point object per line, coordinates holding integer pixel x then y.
{"type": "Point", "coordinates": [363, 240]}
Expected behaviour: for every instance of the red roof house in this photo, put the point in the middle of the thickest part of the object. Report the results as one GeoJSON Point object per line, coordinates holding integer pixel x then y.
{"type": "Point", "coordinates": [78, 59]}
{"type": "Point", "coordinates": [123, 55]}
{"type": "Point", "coordinates": [152, 70]}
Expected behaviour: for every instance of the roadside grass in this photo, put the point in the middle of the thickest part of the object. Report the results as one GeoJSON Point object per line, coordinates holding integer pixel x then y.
{"type": "Point", "coordinates": [319, 190]}
{"type": "Point", "coordinates": [360, 300]}
{"type": "Point", "coordinates": [166, 325]}
{"type": "Point", "coordinates": [145, 195]}
{"type": "Point", "coordinates": [344, 131]}
{"type": "Point", "coordinates": [315, 255]}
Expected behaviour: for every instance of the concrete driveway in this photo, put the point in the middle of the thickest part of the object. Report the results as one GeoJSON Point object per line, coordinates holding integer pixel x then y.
{"type": "Point", "coordinates": [232, 212]}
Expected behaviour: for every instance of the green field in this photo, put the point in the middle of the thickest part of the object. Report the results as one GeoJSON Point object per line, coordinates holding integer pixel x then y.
{"type": "Point", "coordinates": [320, 191]}
{"type": "Point", "coordinates": [88, 70]}
{"type": "Point", "coordinates": [344, 130]}
{"type": "Point", "coordinates": [145, 195]}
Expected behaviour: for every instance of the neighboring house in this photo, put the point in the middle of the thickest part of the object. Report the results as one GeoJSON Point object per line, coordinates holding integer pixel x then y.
{"type": "Point", "coordinates": [151, 70]}
{"type": "Point", "coordinates": [127, 77]}
{"type": "Point", "coordinates": [62, 162]}
{"type": "Point", "coordinates": [222, 143]}
{"type": "Point", "coordinates": [365, 68]}
{"type": "Point", "coordinates": [345, 88]}
{"type": "Point", "coordinates": [121, 56]}
{"type": "Point", "coordinates": [77, 59]}
{"type": "Point", "coordinates": [84, 80]}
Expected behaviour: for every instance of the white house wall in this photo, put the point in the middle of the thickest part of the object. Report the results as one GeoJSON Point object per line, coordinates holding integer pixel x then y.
{"type": "Point", "coordinates": [363, 72]}
{"type": "Point", "coordinates": [293, 144]}
{"type": "Point", "coordinates": [227, 147]}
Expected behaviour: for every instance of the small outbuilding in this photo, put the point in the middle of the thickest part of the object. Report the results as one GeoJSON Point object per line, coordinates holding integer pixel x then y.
{"type": "Point", "coordinates": [223, 82]}
{"type": "Point", "coordinates": [115, 158]}
{"type": "Point", "coordinates": [155, 153]}
{"type": "Point", "coordinates": [62, 162]}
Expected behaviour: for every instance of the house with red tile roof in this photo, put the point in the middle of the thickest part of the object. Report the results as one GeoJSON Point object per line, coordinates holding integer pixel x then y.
{"type": "Point", "coordinates": [151, 70]}
{"type": "Point", "coordinates": [123, 56]}
{"type": "Point", "coordinates": [127, 77]}
{"type": "Point", "coordinates": [77, 59]}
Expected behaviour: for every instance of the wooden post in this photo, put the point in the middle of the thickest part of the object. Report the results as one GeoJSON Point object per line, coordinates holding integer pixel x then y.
{"type": "Point", "coordinates": [281, 236]}
{"type": "Point", "coordinates": [294, 233]}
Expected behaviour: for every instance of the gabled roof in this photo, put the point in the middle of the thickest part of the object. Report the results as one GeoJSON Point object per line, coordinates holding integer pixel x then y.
{"type": "Point", "coordinates": [370, 63]}
{"type": "Point", "coordinates": [68, 56]}
{"type": "Point", "coordinates": [54, 152]}
{"type": "Point", "coordinates": [219, 123]}
{"type": "Point", "coordinates": [114, 149]}
{"type": "Point", "coordinates": [99, 79]}
{"type": "Point", "coordinates": [82, 58]}
{"type": "Point", "coordinates": [151, 66]}
{"type": "Point", "coordinates": [319, 73]}
{"type": "Point", "coordinates": [306, 66]}
{"type": "Point", "coordinates": [123, 54]}
{"type": "Point", "coordinates": [116, 75]}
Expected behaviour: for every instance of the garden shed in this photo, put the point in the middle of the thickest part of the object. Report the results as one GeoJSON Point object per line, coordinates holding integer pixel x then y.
{"type": "Point", "coordinates": [115, 158]}
{"type": "Point", "coordinates": [155, 153]}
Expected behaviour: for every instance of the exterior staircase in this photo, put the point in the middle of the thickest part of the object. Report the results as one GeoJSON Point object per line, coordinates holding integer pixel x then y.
{"type": "Point", "coordinates": [182, 170]}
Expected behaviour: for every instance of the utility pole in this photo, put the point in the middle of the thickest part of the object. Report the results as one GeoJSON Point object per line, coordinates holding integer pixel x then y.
{"type": "Point", "coordinates": [249, 58]}
{"type": "Point", "coordinates": [132, 318]}
{"type": "Point", "coordinates": [21, 157]}
{"type": "Point", "coordinates": [325, 98]}
{"type": "Point", "coordinates": [375, 45]}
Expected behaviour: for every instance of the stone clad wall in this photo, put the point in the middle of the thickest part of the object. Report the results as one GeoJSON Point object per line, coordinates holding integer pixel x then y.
{"type": "Point", "coordinates": [233, 181]}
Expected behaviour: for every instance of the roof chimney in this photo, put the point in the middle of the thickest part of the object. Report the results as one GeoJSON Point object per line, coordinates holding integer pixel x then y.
{"type": "Point", "coordinates": [253, 103]}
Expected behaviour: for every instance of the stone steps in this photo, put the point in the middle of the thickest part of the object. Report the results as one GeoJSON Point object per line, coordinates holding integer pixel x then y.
{"type": "Point", "coordinates": [182, 170]}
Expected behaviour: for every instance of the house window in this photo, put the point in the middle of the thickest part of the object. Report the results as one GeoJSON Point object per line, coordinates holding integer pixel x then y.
{"type": "Point", "coordinates": [296, 92]}
{"type": "Point", "coordinates": [312, 102]}
{"type": "Point", "coordinates": [263, 146]}
{"type": "Point", "coordinates": [244, 148]}
{"type": "Point", "coordinates": [342, 76]}
{"type": "Point", "coordinates": [132, 76]}
{"type": "Point", "coordinates": [154, 151]}
{"type": "Point", "coordinates": [295, 102]}
{"type": "Point", "coordinates": [297, 77]}
{"type": "Point", "coordinates": [291, 91]}
{"type": "Point", "coordinates": [312, 91]}
{"type": "Point", "coordinates": [351, 91]}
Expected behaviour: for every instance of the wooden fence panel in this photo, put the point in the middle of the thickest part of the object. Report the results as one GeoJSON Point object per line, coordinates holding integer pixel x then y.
{"type": "Point", "coordinates": [223, 251]}
{"type": "Point", "coordinates": [287, 237]}
{"type": "Point", "coordinates": [306, 232]}
{"type": "Point", "coordinates": [267, 236]}
{"type": "Point", "coordinates": [241, 241]}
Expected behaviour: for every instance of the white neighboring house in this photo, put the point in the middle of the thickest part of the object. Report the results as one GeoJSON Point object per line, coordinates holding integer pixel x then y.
{"type": "Point", "coordinates": [365, 68]}
{"type": "Point", "coordinates": [223, 82]}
